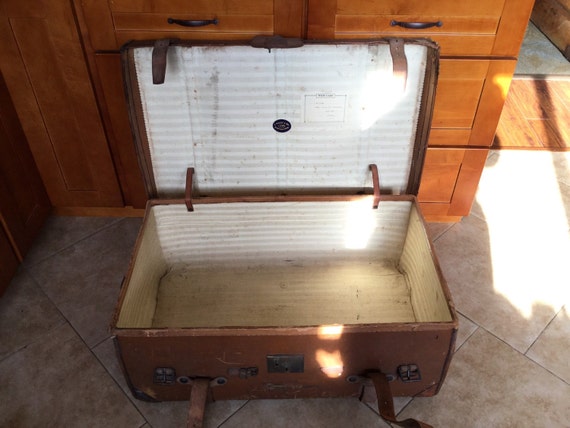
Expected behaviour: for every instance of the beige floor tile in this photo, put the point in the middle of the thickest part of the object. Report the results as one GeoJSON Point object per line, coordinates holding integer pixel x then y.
{"type": "Point", "coordinates": [466, 260]}
{"type": "Point", "coordinates": [26, 315]}
{"type": "Point", "coordinates": [491, 385]}
{"type": "Point", "coordinates": [561, 163]}
{"type": "Point", "coordinates": [60, 232]}
{"type": "Point", "coordinates": [57, 382]}
{"type": "Point", "coordinates": [539, 56]}
{"type": "Point", "coordinates": [552, 349]}
{"type": "Point", "coordinates": [436, 230]}
{"type": "Point", "coordinates": [466, 329]}
{"type": "Point", "coordinates": [165, 414]}
{"type": "Point", "coordinates": [507, 263]}
{"type": "Point", "coordinates": [307, 413]}
{"type": "Point", "coordinates": [84, 280]}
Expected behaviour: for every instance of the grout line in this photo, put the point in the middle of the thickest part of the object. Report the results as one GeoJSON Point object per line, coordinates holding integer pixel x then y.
{"type": "Point", "coordinates": [447, 229]}
{"type": "Point", "coordinates": [89, 349]}
{"type": "Point", "coordinates": [233, 414]}
{"type": "Point", "coordinates": [524, 355]}
{"type": "Point", "coordinates": [542, 331]}
{"type": "Point", "coordinates": [37, 262]}
{"type": "Point", "coordinates": [40, 337]}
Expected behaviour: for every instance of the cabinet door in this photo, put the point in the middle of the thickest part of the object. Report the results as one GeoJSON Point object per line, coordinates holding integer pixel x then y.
{"type": "Point", "coordinates": [469, 99]}
{"type": "Point", "coordinates": [24, 204]}
{"type": "Point", "coordinates": [44, 66]}
{"type": "Point", "coordinates": [449, 182]}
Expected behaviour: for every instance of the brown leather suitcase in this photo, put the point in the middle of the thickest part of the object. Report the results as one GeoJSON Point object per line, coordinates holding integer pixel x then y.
{"type": "Point", "coordinates": [283, 253]}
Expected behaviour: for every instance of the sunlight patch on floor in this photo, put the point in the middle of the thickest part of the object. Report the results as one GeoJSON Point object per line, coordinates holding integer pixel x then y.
{"type": "Point", "coordinates": [521, 201]}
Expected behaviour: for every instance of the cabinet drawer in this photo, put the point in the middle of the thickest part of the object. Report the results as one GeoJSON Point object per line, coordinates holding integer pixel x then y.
{"type": "Point", "coordinates": [463, 27]}
{"type": "Point", "coordinates": [114, 22]}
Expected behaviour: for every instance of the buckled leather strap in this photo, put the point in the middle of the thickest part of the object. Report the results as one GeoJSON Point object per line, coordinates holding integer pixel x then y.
{"type": "Point", "coordinates": [198, 397]}
{"type": "Point", "coordinates": [386, 402]}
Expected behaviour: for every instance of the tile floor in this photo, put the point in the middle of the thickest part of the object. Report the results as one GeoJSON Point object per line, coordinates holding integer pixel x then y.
{"type": "Point", "coordinates": [507, 264]}
{"type": "Point", "coordinates": [540, 56]}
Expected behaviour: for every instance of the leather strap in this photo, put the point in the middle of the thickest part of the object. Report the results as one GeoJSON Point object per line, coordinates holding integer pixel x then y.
{"type": "Point", "coordinates": [198, 397]}
{"type": "Point", "coordinates": [376, 185]}
{"type": "Point", "coordinates": [399, 61]}
{"type": "Point", "coordinates": [188, 190]}
{"type": "Point", "coordinates": [159, 61]}
{"type": "Point", "coordinates": [386, 402]}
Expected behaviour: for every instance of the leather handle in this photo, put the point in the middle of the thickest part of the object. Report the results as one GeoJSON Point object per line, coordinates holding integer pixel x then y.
{"type": "Point", "coordinates": [386, 402]}
{"type": "Point", "coordinates": [198, 398]}
{"type": "Point", "coordinates": [415, 25]}
{"type": "Point", "coordinates": [192, 22]}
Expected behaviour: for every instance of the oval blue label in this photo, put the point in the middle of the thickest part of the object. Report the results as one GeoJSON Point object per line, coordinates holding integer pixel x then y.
{"type": "Point", "coordinates": [282, 125]}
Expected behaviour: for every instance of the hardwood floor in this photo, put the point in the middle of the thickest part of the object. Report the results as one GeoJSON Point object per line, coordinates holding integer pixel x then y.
{"type": "Point", "coordinates": [536, 115]}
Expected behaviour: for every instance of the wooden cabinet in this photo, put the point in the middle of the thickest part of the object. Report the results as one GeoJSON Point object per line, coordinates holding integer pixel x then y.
{"type": "Point", "coordinates": [107, 25]}
{"type": "Point", "coordinates": [76, 120]}
{"type": "Point", "coordinates": [479, 43]}
{"type": "Point", "coordinates": [111, 23]}
{"type": "Point", "coordinates": [24, 204]}
{"type": "Point", "coordinates": [43, 63]}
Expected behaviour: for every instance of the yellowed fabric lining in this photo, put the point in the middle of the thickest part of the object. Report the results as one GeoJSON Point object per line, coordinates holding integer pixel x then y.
{"type": "Point", "coordinates": [283, 264]}
{"type": "Point", "coordinates": [295, 295]}
{"type": "Point", "coordinates": [427, 297]}
{"type": "Point", "coordinates": [139, 304]}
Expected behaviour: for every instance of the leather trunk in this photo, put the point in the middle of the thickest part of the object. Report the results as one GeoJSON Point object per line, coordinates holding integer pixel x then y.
{"type": "Point", "coordinates": [283, 253]}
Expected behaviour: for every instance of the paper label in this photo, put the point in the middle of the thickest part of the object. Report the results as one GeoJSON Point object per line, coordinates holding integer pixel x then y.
{"type": "Point", "coordinates": [325, 108]}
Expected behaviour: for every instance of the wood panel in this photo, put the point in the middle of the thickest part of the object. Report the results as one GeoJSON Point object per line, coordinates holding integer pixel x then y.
{"type": "Point", "coordinates": [459, 171]}
{"type": "Point", "coordinates": [45, 69]}
{"type": "Point", "coordinates": [9, 264]}
{"type": "Point", "coordinates": [242, 7]}
{"type": "Point", "coordinates": [536, 115]}
{"type": "Point", "coordinates": [407, 7]}
{"type": "Point", "coordinates": [459, 88]}
{"type": "Point", "coordinates": [116, 120]}
{"type": "Point", "coordinates": [552, 17]}
{"type": "Point", "coordinates": [109, 24]}
{"type": "Point", "coordinates": [512, 27]}
{"type": "Point", "coordinates": [491, 103]}
{"type": "Point", "coordinates": [24, 204]}
{"type": "Point", "coordinates": [468, 28]}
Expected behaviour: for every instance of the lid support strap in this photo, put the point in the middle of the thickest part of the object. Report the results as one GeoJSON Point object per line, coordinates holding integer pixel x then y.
{"type": "Point", "coordinates": [376, 185]}
{"type": "Point", "coordinates": [399, 61]}
{"type": "Point", "coordinates": [159, 61]}
{"type": "Point", "coordinates": [188, 190]}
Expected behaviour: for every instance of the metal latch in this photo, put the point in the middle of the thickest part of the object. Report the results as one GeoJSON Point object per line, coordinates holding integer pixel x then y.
{"type": "Point", "coordinates": [243, 372]}
{"type": "Point", "coordinates": [409, 373]}
{"type": "Point", "coordinates": [285, 363]}
{"type": "Point", "coordinates": [164, 376]}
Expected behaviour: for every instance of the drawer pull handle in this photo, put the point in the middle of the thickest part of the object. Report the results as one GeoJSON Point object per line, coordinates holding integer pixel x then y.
{"type": "Point", "coordinates": [416, 25]}
{"type": "Point", "coordinates": [193, 23]}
